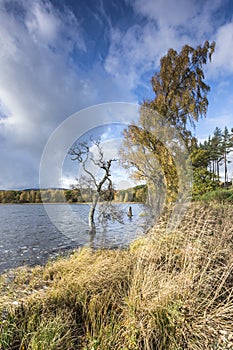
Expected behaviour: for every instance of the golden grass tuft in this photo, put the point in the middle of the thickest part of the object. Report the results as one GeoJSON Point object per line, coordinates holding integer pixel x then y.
{"type": "Point", "coordinates": [168, 291]}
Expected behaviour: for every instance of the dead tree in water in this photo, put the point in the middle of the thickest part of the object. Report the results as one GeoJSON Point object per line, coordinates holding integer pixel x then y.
{"type": "Point", "coordinates": [102, 185]}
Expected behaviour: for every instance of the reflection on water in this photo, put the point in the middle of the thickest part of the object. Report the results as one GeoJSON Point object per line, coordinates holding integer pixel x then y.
{"type": "Point", "coordinates": [28, 236]}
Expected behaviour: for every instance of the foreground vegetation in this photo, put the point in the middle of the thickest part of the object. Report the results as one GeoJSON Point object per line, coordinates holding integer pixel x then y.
{"type": "Point", "coordinates": [169, 291]}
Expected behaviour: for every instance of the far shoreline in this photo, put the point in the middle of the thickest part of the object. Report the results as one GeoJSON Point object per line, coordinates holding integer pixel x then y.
{"type": "Point", "coordinates": [67, 203]}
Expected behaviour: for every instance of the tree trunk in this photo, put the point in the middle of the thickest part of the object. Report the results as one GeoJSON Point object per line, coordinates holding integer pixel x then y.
{"type": "Point", "coordinates": [92, 213]}
{"type": "Point", "coordinates": [156, 196]}
{"type": "Point", "coordinates": [225, 168]}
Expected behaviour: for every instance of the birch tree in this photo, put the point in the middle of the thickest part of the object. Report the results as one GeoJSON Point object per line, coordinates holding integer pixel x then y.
{"type": "Point", "coordinates": [180, 101]}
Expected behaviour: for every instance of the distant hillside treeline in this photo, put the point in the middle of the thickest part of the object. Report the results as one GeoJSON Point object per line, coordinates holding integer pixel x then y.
{"type": "Point", "coordinates": [134, 194]}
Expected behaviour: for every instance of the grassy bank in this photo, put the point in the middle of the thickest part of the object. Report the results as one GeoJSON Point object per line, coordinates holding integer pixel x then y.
{"type": "Point", "coordinates": [168, 291]}
{"type": "Point", "coordinates": [219, 196]}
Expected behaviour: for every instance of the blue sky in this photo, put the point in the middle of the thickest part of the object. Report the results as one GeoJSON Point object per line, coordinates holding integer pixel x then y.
{"type": "Point", "coordinates": [58, 57]}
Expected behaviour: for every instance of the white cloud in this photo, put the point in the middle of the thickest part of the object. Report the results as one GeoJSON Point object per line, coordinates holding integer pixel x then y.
{"type": "Point", "coordinates": [43, 52]}
{"type": "Point", "coordinates": [206, 127]}
{"type": "Point", "coordinates": [36, 84]}
{"type": "Point", "coordinates": [167, 13]}
{"type": "Point", "coordinates": [42, 23]}
{"type": "Point", "coordinates": [40, 84]}
{"type": "Point", "coordinates": [164, 24]}
{"type": "Point", "coordinates": [222, 62]}
{"type": "Point", "coordinates": [194, 17]}
{"type": "Point", "coordinates": [138, 50]}
{"type": "Point", "coordinates": [168, 24]}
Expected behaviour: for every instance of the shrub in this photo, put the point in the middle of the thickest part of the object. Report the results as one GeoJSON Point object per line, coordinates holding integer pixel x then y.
{"type": "Point", "coordinates": [218, 196]}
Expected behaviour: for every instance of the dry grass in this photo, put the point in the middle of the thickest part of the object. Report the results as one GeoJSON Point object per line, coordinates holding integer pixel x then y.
{"type": "Point", "coordinates": [167, 292]}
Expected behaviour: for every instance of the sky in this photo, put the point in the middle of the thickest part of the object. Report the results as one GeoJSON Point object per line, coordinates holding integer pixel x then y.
{"type": "Point", "coordinates": [60, 57]}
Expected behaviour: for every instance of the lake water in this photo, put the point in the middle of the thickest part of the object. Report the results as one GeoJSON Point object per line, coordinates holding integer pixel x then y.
{"type": "Point", "coordinates": [28, 236]}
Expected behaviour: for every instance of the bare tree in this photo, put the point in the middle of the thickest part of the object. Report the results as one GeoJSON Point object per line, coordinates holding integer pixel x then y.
{"type": "Point", "coordinates": [101, 184]}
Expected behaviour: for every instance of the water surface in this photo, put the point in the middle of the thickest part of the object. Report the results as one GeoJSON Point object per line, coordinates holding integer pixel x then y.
{"type": "Point", "coordinates": [29, 237]}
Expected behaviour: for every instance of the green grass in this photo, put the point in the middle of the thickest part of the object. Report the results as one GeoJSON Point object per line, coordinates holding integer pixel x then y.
{"type": "Point", "coordinates": [220, 195]}
{"type": "Point", "coordinates": [167, 292]}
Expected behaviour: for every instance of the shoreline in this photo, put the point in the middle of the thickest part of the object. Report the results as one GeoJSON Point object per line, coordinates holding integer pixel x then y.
{"type": "Point", "coordinates": [67, 203]}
